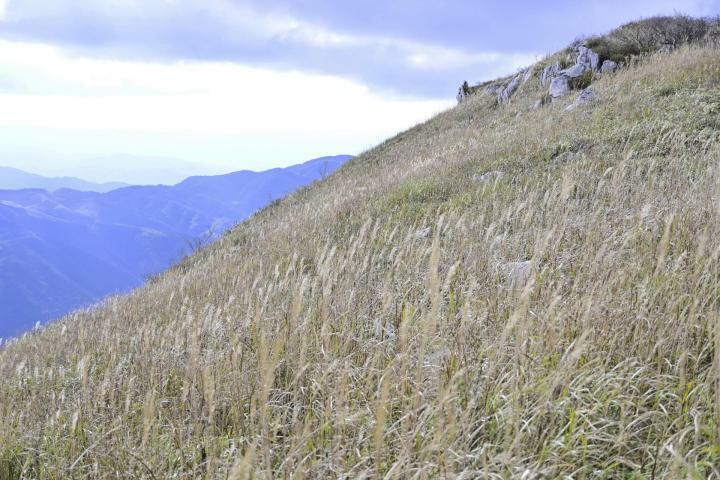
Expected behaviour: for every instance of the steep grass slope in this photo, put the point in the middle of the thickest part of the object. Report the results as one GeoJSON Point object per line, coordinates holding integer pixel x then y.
{"type": "Point", "coordinates": [371, 326]}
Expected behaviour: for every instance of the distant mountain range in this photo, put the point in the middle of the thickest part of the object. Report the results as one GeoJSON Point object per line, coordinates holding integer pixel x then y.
{"type": "Point", "coordinates": [137, 170]}
{"type": "Point", "coordinates": [14, 179]}
{"type": "Point", "coordinates": [66, 249]}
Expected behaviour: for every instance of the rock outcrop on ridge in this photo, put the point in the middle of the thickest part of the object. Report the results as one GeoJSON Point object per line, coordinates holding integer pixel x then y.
{"type": "Point", "coordinates": [558, 80]}
{"type": "Point", "coordinates": [503, 91]}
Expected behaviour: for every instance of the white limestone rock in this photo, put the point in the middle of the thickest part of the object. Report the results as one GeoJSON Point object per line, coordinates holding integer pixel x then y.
{"type": "Point", "coordinates": [507, 92]}
{"type": "Point", "coordinates": [587, 60]}
{"type": "Point", "coordinates": [489, 176]}
{"type": "Point", "coordinates": [549, 72]}
{"type": "Point", "coordinates": [559, 87]}
{"type": "Point", "coordinates": [608, 66]}
{"type": "Point", "coordinates": [586, 57]}
{"type": "Point", "coordinates": [493, 89]}
{"type": "Point", "coordinates": [517, 273]}
{"type": "Point", "coordinates": [528, 74]}
{"type": "Point", "coordinates": [575, 71]}
{"type": "Point", "coordinates": [423, 233]}
{"type": "Point", "coordinates": [585, 97]}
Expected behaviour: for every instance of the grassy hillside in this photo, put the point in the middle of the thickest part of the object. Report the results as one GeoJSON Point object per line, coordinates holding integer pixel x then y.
{"type": "Point", "coordinates": [373, 325]}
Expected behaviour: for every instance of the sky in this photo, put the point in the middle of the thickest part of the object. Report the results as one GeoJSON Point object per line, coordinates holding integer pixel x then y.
{"type": "Point", "coordinates": [151, 91]}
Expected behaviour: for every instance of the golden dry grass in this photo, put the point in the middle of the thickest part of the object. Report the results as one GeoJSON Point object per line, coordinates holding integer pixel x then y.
{"type": "Point", "coordinates": [327, 338]}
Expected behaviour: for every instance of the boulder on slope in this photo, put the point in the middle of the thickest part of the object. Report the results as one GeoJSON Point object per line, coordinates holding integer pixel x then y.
{"type": "Point", "coordinates": [507, 92]}
{"type": "Point", "coordinates": [550, 72]}
{"type": "Point", "coordinates": [608, 66]}
{"type": "Point", "coordinates": [559, 87]}
{"type": "Point", "coordinates": [585, 97]}
{"type": "Point", "coordinates": [588, 58]}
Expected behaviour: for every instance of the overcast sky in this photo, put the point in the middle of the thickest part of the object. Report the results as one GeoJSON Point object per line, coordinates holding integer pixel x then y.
{"type": "Point", "coordinates": [107, 88]}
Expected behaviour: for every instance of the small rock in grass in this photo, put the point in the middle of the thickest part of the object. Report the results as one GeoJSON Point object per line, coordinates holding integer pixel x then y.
{"type": "Point", "coordinates": [518, 273]}
{"type": "Point", "coordinates": [608, 66]}
{"type": "Point", "coordinates": [575, 71]}
{"type": "Point", "coordinates": [507, 92]}
{"type": "Point", "coordinates": [549, 73]}
{"type": "Point", "coordinates": [585, 97]}
{"type": "Point", "coordinates": [528, 74]}
{"type": "Point", "coordinates": [559, 87]}
{"type": "Point", "coordinates": [423, 233]}
{"type": "Point", "coordinates": [588, 58]}
{"type": "Point", "coordinates": [489, 176]}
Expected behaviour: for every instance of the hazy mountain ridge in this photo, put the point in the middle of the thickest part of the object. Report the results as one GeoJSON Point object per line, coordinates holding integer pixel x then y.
{"type": "Point", "coordinates": [15, 179]}
{"type": "Point", "coordinates": [66, 249]}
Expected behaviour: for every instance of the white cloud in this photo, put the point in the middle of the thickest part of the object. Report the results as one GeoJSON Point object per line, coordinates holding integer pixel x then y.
{"type": "Point", "coordinates": [43, 89]}
{"type": "Point", "coordinates": [242, 24]}
{"type": "Point", "coordinates": [438, 58]}
{"type": "Point", "coordinates": [210, 111]}
{"type": "Point", "coordinates": [53, 90]}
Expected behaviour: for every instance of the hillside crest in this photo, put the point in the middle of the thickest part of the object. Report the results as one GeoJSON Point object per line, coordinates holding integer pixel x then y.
{"type": "Point", "coordinates": [576, 67]}
{"type": "Point", "coordinates": [503, 291]}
